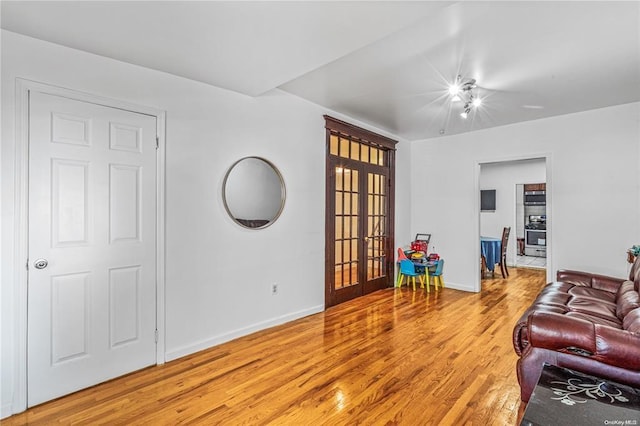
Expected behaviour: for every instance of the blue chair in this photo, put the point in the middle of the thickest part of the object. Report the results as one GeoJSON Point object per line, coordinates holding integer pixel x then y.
{"type": "Point", "coordinates": [437, 275]}
{"type": "Point", "coordinates": [408, 269]}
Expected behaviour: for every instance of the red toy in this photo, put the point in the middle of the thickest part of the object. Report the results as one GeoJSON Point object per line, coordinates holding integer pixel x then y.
{"type": "Point", "coordinates": [421, 243]}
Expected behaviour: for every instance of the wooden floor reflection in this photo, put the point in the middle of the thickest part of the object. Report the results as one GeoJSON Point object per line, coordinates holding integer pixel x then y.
{"type": "Point", "coordinates": [393, 357]}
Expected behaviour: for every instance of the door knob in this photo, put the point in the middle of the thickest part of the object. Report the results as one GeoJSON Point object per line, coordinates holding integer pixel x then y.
{"type": "Point", "coordinates": [40, 263]}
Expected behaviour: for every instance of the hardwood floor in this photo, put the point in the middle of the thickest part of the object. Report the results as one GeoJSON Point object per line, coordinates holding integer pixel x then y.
{"type": "Point", "coordinates": [393, 357]}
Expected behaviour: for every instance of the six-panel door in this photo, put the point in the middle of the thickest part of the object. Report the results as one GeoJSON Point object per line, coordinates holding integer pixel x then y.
{"type": "Point", "coordinates": [92, 220]}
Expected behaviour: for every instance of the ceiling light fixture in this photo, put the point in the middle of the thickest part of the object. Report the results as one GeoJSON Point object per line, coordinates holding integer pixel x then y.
{"type": "Point", "coordinates": [454, 90]}
{"type": "Point", "coordinates": [464, 90]}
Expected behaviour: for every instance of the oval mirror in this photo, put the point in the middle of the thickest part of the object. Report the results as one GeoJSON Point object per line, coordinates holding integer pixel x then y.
{"type": "Point", "coordinates": [253, 192]}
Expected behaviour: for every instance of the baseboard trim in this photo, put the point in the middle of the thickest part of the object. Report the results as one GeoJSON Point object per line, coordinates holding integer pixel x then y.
{"type": "Point", "coordinates": [234, 334]}
{"type": "Point", "coordinates": [461, 287]}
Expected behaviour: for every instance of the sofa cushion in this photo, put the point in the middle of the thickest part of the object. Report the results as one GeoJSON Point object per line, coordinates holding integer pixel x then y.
{"type": "Point", "coordinates": [544, 307]}
{"type": "Point", "coordinates": [552, 298]}
{"type": "Point", "coordinates": [626, 299]}
{"type": "Point", "coordinates": [593, 293]}
{"type": "Point", "coordinates": [634, 272]}
{"type": "Point", "coordinates": [613, 323]}
{"type": "Point", "coordinates": [625, 287]}
{"type": "Point", "coordinates": [593, 307]}
{"type": "Point", "coordinates": [632, 321]}
{"type": "Point", "coordinates": [626, 303]}
{"type": "Point", "coordinates": [557, 287]}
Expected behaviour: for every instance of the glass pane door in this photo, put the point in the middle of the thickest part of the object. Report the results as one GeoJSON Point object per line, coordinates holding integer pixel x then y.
{"type": "Point", "coordinates": [347, 208]}
{"type": "Point", "coordinates": [377, 235]}
{"type": "Point", "coordinates": [359, 238]}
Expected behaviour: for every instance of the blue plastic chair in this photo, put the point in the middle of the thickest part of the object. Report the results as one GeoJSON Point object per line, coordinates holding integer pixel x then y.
{"type": "Point", "coordinates": [408, 269]}
{"type": "Point", "coordinates": [437, 275]}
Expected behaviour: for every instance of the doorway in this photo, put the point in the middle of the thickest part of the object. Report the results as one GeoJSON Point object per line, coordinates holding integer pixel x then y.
{"type": "Point", "coordinates": [531, 219]}
{"type": "Point", "coordinates": [359, 220]}
{"type": "Point", "coordinates": [91, 181]}
{"type": "Point", "coordinates": [506, 178]}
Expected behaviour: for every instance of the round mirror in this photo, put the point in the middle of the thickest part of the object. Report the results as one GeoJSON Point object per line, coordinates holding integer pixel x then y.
{"type": "Point", "coordinates": [253, 192]}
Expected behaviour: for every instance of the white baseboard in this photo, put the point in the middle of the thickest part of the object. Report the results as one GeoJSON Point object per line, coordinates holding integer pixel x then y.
{"type": "Point", "coordinates": [222, 338]}
{"type": "Point", "coordinates": [455, 286]}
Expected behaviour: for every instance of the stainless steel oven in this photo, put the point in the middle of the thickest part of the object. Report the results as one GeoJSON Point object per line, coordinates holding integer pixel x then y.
{"type": "Point", "coordinates": [535, 242]}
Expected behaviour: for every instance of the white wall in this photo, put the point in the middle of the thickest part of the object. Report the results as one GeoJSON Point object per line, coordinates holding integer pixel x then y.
{"type": "Point", "coordinates": [404, 232]}
{"type": "Point", "coordinates": [503, 177]}
{"type": "Point", "coordinates": [218, 275]}
{"type": "Point", "coordinates": [593, 188]}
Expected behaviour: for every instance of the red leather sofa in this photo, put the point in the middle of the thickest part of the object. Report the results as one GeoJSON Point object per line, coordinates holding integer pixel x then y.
{"type": "Point", "coordinates": [584, 322]}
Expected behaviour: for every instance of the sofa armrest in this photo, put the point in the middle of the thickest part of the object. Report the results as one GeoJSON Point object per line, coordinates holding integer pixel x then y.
{"type": "Point", "coordinates": [600, 282]}
{"type": "Point", "coordinates": [561, 333]}
{"type": "Point", "coordinates": [618, 347]}
{"type": "Point", "coordinates": [521, 330]}
{"type": "Point", "coordinates": [520, 336]}
{"type": "Point", "coordinates": [580, 337]}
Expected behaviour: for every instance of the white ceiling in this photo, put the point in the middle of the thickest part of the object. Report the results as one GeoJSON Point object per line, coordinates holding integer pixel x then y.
{"type": "Point", "coordinates": [387, 63]}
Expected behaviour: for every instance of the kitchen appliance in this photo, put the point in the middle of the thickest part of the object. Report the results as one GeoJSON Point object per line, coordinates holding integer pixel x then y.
{"type": "Point", "coordinates": [535, 232]}
{"type": "Point", "coordinates": [535, 198]}
{"type": "Point", "coordinates": [536, 221]}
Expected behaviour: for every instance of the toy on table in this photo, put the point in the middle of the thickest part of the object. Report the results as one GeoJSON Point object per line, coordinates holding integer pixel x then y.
{"type": "Point", "coordinates": [421, 243]}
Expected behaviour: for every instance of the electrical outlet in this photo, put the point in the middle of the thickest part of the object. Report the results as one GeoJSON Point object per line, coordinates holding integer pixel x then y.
{"type": "Point", "coordinates": [274, 289]}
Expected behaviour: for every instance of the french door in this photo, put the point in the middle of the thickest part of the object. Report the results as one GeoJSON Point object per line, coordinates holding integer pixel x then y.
{"type": "Point", "coordinates": [359, 212]}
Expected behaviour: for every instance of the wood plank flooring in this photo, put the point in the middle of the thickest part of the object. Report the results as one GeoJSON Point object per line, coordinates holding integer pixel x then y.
{"type": "Point", "coordinates": [395, 357]}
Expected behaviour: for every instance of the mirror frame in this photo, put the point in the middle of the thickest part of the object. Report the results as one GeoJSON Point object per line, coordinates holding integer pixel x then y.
{"type": "Point", "coordinates": [283, 192]}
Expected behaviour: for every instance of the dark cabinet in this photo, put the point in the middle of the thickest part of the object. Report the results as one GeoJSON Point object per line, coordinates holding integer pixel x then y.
{"type": "Point", "coordinates": [535, 187]}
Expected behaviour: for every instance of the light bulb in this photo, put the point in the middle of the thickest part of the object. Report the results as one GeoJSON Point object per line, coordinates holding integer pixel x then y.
{"type": "Point", "coordinates": [477, 102]}
{"type": "Point", "coordinates": [454, 90]}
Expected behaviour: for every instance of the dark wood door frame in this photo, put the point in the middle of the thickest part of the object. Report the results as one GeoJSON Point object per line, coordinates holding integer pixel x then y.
{"type": "Point", "coordinates": [386, 147]}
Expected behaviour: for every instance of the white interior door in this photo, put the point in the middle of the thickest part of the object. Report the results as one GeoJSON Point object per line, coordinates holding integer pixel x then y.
{"type": "Point", "coordinates": [92, 237]}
